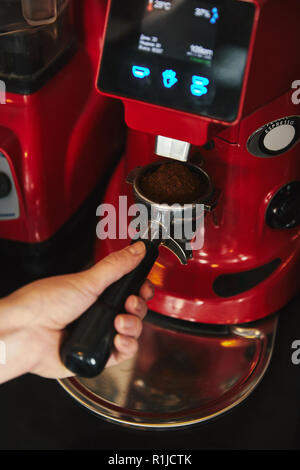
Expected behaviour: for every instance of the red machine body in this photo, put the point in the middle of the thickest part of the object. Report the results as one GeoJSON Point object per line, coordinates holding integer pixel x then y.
{"type": "Point", "coordinates": [60, 140]}
{"type": "Point", "coordinates": [248, 267]}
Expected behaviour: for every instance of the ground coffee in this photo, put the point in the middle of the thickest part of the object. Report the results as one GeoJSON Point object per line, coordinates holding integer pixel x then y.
{"type": "Point", "coordinates": [172, 183]}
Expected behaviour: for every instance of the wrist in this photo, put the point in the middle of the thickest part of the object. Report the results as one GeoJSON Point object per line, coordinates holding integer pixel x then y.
{"type": "Point", "coordinates": [15, 343]}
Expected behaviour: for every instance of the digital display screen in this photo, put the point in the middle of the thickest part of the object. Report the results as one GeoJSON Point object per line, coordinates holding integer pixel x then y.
{"type": "Point", "coordinates": [197, 27]}
{"type": "Point", "coordinates": [188, 55]}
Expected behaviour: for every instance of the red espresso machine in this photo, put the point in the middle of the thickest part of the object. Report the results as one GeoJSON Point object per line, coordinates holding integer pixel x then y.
{"type": "Point", "coordinates": [209, 82]}
{"type": "Point", "coordinates": [58, 137]}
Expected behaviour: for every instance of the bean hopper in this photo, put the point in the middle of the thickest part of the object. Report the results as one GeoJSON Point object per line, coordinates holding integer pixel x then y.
{"type": "Point", "coordinates": [207, 83]}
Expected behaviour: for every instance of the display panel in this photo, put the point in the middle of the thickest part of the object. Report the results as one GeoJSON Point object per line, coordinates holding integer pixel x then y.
{"type": "Point", "coordinates": [188, 55]}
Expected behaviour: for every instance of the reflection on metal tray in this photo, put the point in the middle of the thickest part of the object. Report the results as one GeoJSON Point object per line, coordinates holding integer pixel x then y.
{"type": "Point", "coordinates": [177, 378]}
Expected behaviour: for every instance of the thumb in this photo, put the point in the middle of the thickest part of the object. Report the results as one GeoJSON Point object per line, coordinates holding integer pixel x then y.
{"type": "Point", "coordinates": [114, 267]}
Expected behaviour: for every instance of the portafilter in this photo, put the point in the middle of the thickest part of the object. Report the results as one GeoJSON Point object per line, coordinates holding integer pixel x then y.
{"type": "Point", "coordinates": [89, 340]}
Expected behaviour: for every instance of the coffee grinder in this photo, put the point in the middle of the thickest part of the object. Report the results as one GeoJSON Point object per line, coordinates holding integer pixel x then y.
{"type": "Point", "coordinates": [56, 134]}
{"type": "Point", "coordinates": [209, 83]}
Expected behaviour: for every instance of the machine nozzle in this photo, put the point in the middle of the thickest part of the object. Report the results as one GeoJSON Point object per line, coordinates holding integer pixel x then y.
{"type": "Point", "coordinates": [172, 148]}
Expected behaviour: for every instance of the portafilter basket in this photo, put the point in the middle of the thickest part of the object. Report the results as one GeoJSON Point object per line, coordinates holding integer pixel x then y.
{"type": "Point", "coordinates": [89, 342]}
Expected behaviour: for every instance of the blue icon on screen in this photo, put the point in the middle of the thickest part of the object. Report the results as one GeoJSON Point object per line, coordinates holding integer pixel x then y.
{"type": "Point", "coordinates": [169, 78]}
{"type": "Point", "coordinates": [140, 72]}
{"type": "Point", "coordinates": [214, 15]}
{"type": "Point", "coordinates": [199, 85]}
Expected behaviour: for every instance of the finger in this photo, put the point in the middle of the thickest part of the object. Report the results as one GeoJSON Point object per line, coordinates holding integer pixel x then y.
{"type": "Point", "coordinates": [136, 306]}
{"type": "Point", "coordinates": [126, 345]}
{"type": "Point", "coordinates": [128, 325]}
{"type": "Point", "coordinates": [147, 290]}
{"type": "Point", "coordinates": [113, 267]}
{"type": "Point", "coordinates": [125, 348]}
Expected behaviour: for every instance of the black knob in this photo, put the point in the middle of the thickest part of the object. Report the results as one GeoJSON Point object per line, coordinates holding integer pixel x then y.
{"type": "Point", "coordinates": [5, 185]}
{"type": "Point", "coordinates": [284, 209]}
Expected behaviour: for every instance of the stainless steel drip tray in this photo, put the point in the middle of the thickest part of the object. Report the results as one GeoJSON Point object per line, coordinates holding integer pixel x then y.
{"type": "Point", "coordinates": [178, 378]}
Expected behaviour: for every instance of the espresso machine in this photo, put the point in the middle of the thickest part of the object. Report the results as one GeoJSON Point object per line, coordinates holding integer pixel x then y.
{"type": "Point", "coordinates": [59, 138]}
{"type": "Point", "coordinates": [206, 83]}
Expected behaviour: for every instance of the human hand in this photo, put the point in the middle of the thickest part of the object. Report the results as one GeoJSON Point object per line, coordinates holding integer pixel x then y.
{"type": "Point", "coordinates": [33, 319]}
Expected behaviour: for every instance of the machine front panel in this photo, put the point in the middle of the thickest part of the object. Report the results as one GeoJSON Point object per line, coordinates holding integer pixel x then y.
{"type": "Point", "coordinates": [188, 55]}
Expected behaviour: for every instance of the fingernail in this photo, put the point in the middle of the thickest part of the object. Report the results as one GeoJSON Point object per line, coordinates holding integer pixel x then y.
{"type": "Point", "coordinates": [136, 303]}
{"type": "Point", "coordinates": [137, 249]}
{"type": "Point", "coordinates": [128, 323]}
{"type": "Point", "coordinates": [152, 289]}
{"type": "Point", "coordinates": [126, 342]}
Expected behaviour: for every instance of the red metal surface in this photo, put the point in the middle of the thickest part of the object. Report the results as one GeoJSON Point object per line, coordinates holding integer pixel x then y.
{"type": "Point", "coordinates": [61, 140]}
{"type": "Point", "coordinates": [242, 241]}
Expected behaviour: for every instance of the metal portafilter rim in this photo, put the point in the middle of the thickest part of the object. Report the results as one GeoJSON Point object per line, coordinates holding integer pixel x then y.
{"type": "Point", "coordinates": [138, 173]}
{"type": "Point", "coordinates": [169, 219]}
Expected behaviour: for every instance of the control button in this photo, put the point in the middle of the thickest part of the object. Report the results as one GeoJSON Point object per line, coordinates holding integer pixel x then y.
{"type": "Point", "coordinates": [275, 138]}
{"type": "Point", "coordinates": [199, 85]}
{"type": "Point", "coordinates": [5, 185]}
{"type": "Point", "coordinates": [140, 72]}
{"type": "Point", "coordinates": [284, 209]}
{"type": "Point", "coordinates": [9, 201]}
{"type": "Point", "coordinates": [279, 138]}
{"type": "Point", "coordinates": [214, 15]}
{"type": "Point", "coordinates": [169, 78]}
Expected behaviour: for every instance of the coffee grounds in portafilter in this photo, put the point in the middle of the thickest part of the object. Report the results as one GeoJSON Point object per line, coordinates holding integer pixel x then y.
{"type": "Point", "coordinates": [172, 183]}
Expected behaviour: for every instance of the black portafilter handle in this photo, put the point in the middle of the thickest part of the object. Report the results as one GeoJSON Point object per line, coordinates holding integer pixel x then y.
{"type": "Point", "coordinates": [89, 344]}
